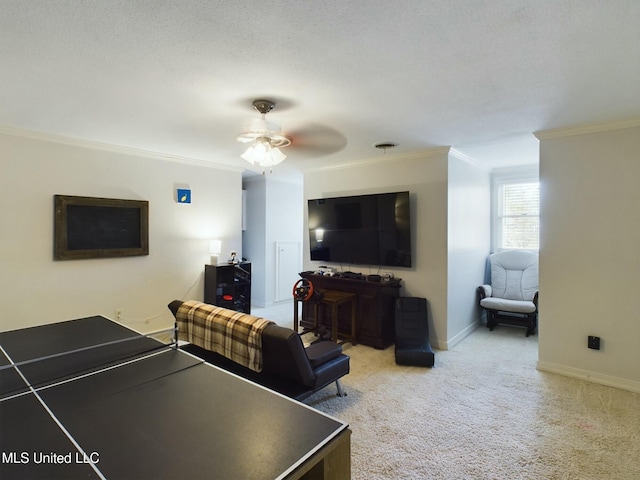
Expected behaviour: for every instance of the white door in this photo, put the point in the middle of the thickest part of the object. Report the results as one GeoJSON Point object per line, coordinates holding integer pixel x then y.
{"type": "Point", "coordinates": [287, 269]}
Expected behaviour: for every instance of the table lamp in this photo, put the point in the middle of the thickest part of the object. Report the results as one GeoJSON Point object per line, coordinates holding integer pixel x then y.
{"type": "Point", "coordinates": [215, 247]}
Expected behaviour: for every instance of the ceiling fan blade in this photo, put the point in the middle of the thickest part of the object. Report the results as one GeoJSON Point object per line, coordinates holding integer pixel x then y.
{"type": "Point", "coordinates": [314, 140]}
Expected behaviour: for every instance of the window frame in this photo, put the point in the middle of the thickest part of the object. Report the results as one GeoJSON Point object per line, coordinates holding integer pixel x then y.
{"type": "Point", "coordinates": [500, 178]}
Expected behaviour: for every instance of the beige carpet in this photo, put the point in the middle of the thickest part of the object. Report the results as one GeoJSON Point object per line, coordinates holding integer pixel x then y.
{"type": "Point", "coordinates": [483, 412]}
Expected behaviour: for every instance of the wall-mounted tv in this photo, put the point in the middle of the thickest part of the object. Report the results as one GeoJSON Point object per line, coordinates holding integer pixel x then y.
{"type": "Point", "coordinates": [364, 229]}
{"type": "Point", "coordinates": [90, 227]}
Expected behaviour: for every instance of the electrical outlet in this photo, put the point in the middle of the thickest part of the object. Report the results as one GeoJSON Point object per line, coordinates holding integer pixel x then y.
{"type": "Point", "coordinates": [593, 342]}
{"type": "Point", "coordinates": [119, 314]}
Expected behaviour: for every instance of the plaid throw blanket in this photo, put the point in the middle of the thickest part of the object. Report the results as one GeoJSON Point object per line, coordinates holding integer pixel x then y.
{"type": "Point", "coordinates": [235, 335]}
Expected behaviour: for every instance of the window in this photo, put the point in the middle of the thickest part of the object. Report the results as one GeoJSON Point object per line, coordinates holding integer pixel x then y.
{"type": "Point", "coordinates": [516, 213]}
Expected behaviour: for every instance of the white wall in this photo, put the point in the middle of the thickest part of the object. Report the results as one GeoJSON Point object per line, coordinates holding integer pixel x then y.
{"type": "Point", "coordinates": [35, 289]}
{"type": "Point", "coordinates": [284, 224]}
{"type": "Point", "coordinates": [468, 240]}
{"type": "Point", "coordinates": [590, 254]}
{"type": "Point", "coordinates": [425, 176]}
{"type": "Point", "coordinates": [254, 236]}
{"type": "Point", "coordinates": [450, 208]}
{"type": "Point", "coordinates": [275, 214]}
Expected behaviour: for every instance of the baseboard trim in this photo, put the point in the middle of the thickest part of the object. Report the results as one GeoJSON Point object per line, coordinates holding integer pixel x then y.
{"type": "Point", "coordinates": [458, 338]}
{"type": "Point", "coordinates": [593, 377]}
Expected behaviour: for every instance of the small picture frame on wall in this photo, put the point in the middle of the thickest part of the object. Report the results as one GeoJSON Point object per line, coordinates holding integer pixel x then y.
{"type": "Point", "coordinates": [183, 195]}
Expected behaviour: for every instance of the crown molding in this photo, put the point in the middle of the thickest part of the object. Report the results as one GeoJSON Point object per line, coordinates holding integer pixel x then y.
{"type": "Point", "coordinates": [385, 159]}
{"type": "Point", "coordinates": [586, 129]}
{"type": "Point", "coordinates": [107, 147]}
{"type": "Point", "coordinates": [467, 159]}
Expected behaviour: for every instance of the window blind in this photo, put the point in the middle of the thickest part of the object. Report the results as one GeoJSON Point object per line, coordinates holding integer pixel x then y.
{"type": "Point", "coordinates": [519, 215]}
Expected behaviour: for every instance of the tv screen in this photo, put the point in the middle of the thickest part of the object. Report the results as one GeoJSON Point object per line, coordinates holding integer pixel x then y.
{"type": "Point", "coordinates": [364, 229]}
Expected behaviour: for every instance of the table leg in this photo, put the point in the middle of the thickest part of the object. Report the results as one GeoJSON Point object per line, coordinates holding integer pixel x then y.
{"type": "Point", "coordinates": [353, 322]}
{"type": "Point", "coordinates": [334, 322]}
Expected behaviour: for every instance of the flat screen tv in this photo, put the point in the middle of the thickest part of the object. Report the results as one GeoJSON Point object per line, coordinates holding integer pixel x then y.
{"type": "Point", "coordinates": [91, 227]}
{"type": "Point", "coordinates": [364, 229]}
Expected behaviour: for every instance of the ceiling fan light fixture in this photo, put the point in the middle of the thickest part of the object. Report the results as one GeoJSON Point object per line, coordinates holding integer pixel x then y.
{"type": "Point", "coordinates": [277, 156]}
{"type": "Point", "coordinates": [263, 154]}
{"type": "Point", "coordinates": [265, 137]}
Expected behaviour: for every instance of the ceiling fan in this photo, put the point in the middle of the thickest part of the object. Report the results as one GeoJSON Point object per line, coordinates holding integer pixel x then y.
{"type": "Point", "coordinates": [265, 139]}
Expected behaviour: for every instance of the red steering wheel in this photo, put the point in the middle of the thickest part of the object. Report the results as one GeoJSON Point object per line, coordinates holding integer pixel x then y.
{"type": "Point", "coordinates": [303, 290]}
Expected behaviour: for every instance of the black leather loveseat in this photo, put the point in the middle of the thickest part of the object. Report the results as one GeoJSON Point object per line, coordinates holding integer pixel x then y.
{"type": "Point", "coordinates": [288, 367]}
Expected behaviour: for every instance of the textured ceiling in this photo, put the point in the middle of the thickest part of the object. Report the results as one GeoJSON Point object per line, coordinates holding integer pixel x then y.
{"type": "Point", "coordinates": [177, 77]}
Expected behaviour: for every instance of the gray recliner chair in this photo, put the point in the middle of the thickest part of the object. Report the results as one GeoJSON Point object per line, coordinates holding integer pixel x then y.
{"type": "Point", "coordinates": [512, 297]}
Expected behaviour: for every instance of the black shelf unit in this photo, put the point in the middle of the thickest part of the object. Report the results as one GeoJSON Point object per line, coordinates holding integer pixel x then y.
{"type": "Point", "coordinates": [228, 286]}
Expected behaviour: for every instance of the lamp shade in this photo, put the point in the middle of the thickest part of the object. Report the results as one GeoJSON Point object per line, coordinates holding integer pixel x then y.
{"type": "Point", "coordinates": [215, 247]}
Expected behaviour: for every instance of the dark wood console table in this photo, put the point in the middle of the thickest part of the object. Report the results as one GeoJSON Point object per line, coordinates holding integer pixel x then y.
{"type": "Point", "coordinates": [375, 315]}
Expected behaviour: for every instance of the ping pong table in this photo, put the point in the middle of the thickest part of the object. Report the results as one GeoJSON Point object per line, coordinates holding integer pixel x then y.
{"type": "Point", "coordinates": [91, 398]}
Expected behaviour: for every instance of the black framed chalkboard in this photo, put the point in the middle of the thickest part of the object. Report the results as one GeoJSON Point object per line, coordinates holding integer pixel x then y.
{"type": "Point", "coordinates": [91, 227]}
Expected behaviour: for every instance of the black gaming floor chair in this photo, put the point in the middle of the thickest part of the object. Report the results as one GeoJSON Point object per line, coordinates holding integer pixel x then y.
{"type": "Point", "coordinates": [412, 333]}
